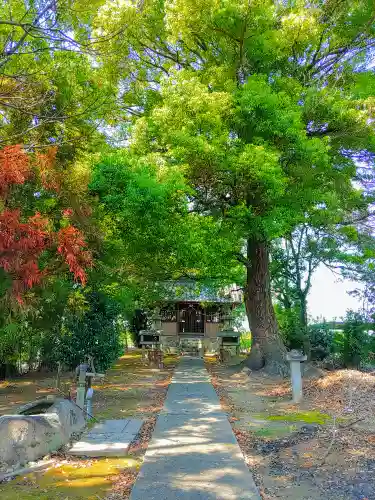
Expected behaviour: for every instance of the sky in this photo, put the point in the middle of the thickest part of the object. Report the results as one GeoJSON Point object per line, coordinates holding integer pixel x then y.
{"type": "Point", "coordinates": [329, 297]}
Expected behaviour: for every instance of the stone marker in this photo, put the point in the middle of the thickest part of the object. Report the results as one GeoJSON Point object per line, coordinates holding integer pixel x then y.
{"type": "Point", "coordinates": [81, 388]}
{"type": "Point", "coordinates": [108, 438]}
{"type": "Point", "coordinates": [295, 357]}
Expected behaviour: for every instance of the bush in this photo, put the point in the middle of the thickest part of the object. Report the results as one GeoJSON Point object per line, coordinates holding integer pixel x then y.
{"type": "Point", "coordinates": [355, 340]}
{"type": "Point", "coordinates": [96, 332]}
{"type": "Point", "coordinates": [290, 327]}
{"type": "Point", "coordinates": [321, 339]}
{"type": "Point", "coordinates": [351, 346]}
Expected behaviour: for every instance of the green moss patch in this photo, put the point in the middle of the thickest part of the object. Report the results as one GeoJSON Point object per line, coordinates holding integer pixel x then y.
{"type": "Point", "coordinates": [309, 417]}
{"type": "Point", "coordinates": [86, 479]}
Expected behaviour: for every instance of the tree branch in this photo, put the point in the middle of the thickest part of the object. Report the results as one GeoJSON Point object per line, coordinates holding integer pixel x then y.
{"type": "Point", "coordinates": [241, 258]}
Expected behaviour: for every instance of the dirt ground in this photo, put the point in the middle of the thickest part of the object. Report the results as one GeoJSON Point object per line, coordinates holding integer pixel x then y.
{"type": "Point", "coordinates": [130, 389]}
{"type": "Point", "coordinates": [320, 449]}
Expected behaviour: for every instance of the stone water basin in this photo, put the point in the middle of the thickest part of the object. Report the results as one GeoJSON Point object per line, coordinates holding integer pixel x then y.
{"type": "Point", "coordinates": [39, 428]}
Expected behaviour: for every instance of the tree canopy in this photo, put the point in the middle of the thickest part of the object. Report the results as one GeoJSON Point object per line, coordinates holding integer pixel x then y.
{"type": "Point", "coordinates": [192, 137]}
{"type": "Point", "coordinates": [264, 107]}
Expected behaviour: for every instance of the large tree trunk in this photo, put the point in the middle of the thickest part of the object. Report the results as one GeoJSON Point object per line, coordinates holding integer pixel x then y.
{"type": "Point", "coordinates": [267, 347]}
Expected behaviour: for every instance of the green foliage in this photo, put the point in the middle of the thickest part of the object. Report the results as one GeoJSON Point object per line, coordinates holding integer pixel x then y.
{"type": "Point", "coordinates": [264, 108]}
{"type": "Point", "coordinates": [242, 124]}
{"type": "Point", "coordinates": [245, 341]}
{"type": "Point", "coordinates": [51, 93]}
{"type": "Point", "coordinates": [295, 258]}
{"type": "Point", "coordinates": [355, 339]}
{"type": "Point", "coordinates": [149, 233]}
{"type": "Point", "coordinates": [363, 273]}
{"type": "Point", "coordinates": [349, 344]}
{"type": "Point", "coordinates": [95, 332]}
{"type": "Point", "coordinates": [323, 340]}
{"type": "Point", "coordinates": [140, 209]}
{"type": "Point", "coordinates": [291, 329]}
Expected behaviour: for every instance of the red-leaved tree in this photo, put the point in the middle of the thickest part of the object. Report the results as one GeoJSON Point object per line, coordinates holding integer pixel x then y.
{"type": "Point", "coordinates": [23, 240]}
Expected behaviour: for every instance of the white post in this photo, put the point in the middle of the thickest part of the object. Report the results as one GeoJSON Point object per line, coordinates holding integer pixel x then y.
{"type": "Point", "coordinates": [89, 396]}
{"type": "Point", "coordinates": [81, 386]}
{"type": "Point", "coordinates": [295, 358]}
{"type": "Point", "coordinates": [201, 349]}
{"type": "Point", "coordinates": [58, 376]}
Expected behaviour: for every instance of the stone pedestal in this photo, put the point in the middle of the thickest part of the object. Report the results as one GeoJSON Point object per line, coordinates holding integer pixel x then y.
{"type": "Point", "coordinates": [295, 359]}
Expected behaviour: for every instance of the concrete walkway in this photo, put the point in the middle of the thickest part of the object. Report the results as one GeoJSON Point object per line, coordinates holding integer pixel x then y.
{"type": "Point", "coordinates": [193, 453]}
{"type": "Point", "coordinates": [107, 439]}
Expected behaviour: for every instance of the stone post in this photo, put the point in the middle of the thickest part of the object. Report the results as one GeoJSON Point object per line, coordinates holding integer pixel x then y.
{"type": "Point", "coordinates": [89, 396]}
{"type": "Point", "coordinates": [81, 389]}
{"type": "Point", "coordinates": [201, 349]}
{"type": "Point", "coordinates": [58, 376]}
{"type": "Point", "coordinates": [295, 359]}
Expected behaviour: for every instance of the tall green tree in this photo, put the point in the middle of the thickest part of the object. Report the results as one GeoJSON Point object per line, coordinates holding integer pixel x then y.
{"type": "Point", "coordinates": [263, 106]}
{"type": "Point", "coordinates": [50, 96]}
{"type": "Point", "coordinates": [50, 92]}
{"type": "Point", "coordinates": [150, 234]}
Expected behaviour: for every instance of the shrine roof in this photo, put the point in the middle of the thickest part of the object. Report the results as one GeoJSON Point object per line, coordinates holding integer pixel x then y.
{"type": "Point", "coordinates": [193, 291]}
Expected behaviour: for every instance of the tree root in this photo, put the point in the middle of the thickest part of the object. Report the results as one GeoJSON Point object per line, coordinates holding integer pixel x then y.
{"type": "Point", "coordinates": [278, 368]}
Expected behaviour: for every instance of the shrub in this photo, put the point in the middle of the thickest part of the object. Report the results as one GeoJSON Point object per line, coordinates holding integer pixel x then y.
{"type": "Point", "coordinates": [290, 327]}
{"type": "Point", "coordinates": [321, 339]}
{"type": "Point", "coordinates": [355, 339]}
{"type": "Point", "coordinates": [96, 332]}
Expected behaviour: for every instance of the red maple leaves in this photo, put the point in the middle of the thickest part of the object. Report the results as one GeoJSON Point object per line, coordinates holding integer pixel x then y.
{"type": "Point", "coordinates": [14, 167]}
{"type": "Point", "coordinates": [48, 175]}
{"type": "Point", "coordinates": [23, 240]}
{"type": "Point", "coordinates": [72, 247]}
{"type": "Point", "coordinates": [21, 244]}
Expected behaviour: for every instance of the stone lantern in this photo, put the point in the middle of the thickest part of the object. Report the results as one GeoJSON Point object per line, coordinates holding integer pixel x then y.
{"type": "Point", "coordinates": [156, 320]}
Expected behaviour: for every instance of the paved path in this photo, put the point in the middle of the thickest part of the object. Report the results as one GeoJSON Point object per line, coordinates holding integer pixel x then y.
{"type": "Point", "coordinates": [106, 439]}
{"type": "Point", "coordinates": [193, 453]}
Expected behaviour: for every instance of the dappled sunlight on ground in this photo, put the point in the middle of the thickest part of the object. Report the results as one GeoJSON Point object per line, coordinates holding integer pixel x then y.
{"type": "Point", "coordinates": [193, 452]}
{"type": "Point", "coordinates": [130, 389]}
{"type": "Point", "coordinates": [75, 479]}
{"type": "Point", "coordinates": [18, 391]}
{"type": "Point", "coordinates": [320, 449]}
{"type": "Point", "coordinates": [345, 389]}
{"type": "Point", "coordinates": [224, 478]}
